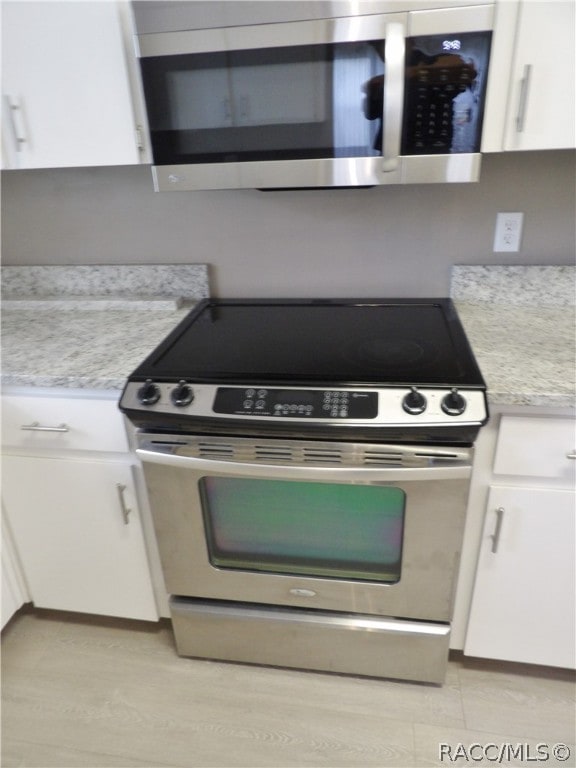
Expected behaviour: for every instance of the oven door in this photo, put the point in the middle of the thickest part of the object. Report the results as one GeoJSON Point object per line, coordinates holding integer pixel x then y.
{"type": "Point", "coordinates": [361, 528]}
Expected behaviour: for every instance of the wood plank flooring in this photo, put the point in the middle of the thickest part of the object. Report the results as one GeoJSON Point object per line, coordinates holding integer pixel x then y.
{"type": "Point", "coordinates": [88, 692]}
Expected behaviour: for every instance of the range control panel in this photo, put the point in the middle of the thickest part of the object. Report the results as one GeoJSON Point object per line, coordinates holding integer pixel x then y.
{"type": "Point", "coordinates": [382, 406]}
{"type": "Point", "coordinates": [297, 403]}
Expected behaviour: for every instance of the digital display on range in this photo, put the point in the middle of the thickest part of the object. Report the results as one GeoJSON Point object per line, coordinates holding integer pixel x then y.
{"type": "Point", "coordinates": [296, 403]}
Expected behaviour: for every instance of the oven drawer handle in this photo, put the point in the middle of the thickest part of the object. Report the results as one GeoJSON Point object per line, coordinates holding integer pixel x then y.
{"type": "Point", "coordinates": [346, 474]}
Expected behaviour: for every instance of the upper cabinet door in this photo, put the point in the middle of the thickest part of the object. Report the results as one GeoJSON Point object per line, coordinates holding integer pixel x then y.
{"type": "Point", "coordinates": [535, 41]}
{"type": "Point", "coordinates": [66, 91]}
{"type": "Point", "coordinates": [543, 82]}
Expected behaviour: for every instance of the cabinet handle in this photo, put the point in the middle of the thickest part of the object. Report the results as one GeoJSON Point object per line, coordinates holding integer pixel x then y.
{"type": "Point", "coordinates": [10, 109]}
{"type": "Point", "coordinates": [522, 104]}
{"type": "Point", "coordinates": [497, 530]}
{"type": "Point", "coordinates": [36, 427]}
{"type": "Point", "coordinates": [124, 509]}
{"type": "Point", "coordinates": [571, 455]}
{"type": "Point", "coordinates": [139, 138]}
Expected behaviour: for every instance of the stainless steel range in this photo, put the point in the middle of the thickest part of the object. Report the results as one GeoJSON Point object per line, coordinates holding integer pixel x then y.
{"type": "Point", "coordinates": [308, 467]}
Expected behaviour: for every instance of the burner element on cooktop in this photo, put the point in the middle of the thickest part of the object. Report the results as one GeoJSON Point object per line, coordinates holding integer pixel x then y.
{"type": "Point", "coordinates": [391, 352]}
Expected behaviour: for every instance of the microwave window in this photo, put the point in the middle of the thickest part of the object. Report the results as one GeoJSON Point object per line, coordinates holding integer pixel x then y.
{"type": "Point", "coordinates": [297, 96]}
{"type": "Point", "coordinates": [332, 530]}
{"type": "Point", "coordinates": [301, 102]}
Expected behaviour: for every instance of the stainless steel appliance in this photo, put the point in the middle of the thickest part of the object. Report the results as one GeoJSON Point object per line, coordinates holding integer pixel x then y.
{"type": "Point", "coordinates": [308, 466]}
{"type": "Point", "coordinates": [366, 94]}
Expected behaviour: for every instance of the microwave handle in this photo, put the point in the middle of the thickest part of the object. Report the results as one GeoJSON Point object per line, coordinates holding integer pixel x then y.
{"type": "Point", "coordinates": [301, 472]}
{"type": "Point", "coordinates": [393, 102]}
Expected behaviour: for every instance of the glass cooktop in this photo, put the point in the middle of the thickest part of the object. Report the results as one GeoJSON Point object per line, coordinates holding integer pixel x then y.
{"type": "Point", "coordinates": [405, 341]}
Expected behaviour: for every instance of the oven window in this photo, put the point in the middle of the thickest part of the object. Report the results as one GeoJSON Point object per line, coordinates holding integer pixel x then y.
{"type": "Point", "coordinates": [305, 529]}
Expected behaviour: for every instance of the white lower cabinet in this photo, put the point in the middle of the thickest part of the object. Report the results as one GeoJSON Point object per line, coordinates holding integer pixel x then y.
{"type": "Point", "coordinates": [74, 514]}
{"type": "Point", "coordinates": [524, 596]}
{"type": "Point", "coordinates": [14, 592]}
{"type": "Point", "coordinates": [77, 528]}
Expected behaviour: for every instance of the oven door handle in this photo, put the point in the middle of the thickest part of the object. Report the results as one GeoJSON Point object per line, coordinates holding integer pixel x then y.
{"type": "Point", "coordinates": [305, 472]}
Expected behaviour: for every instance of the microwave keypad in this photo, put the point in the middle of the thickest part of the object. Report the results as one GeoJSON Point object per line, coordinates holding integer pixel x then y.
{"type": "Point", "coordinates": [443, 94]}
{"type": "Point", "coordinates": [432, 103]}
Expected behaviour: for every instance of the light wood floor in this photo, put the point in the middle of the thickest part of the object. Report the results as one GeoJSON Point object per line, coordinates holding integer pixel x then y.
{"type": "Point", "coordinates": [87, 692]}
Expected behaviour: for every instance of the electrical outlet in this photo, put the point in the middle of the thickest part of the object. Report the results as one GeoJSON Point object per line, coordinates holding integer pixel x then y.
{"type": "Point", "coordinates": [508, 232]}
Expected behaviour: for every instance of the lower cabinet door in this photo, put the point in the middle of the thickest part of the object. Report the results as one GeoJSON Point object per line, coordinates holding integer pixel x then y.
{"type": "Point", "coordinates": [78, 532]}
{"type": "Point", "coordinates": [13, 590]}
{"type": "Point", "coordinates": [523, 605]}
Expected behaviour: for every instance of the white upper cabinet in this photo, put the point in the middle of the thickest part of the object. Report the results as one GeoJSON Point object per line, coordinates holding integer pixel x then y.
{"type": "Point", "coordinates": [67, 93]}
{"type": "Point", "coordinates": [535, 108]}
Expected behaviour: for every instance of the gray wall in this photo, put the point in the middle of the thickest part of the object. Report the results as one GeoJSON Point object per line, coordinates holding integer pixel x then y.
{"type": "Point", "coordinates": [386, 241]}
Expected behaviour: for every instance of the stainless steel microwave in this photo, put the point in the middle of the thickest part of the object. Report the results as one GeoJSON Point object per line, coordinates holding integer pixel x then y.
{"type": "Point", "coordinates": [386, 93]}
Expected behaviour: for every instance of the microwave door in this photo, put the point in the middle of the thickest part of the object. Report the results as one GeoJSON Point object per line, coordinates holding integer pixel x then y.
{"type": "Point", "coordinates": [336, 102]}
{"type": "Point", "coordinates": [294, 114]}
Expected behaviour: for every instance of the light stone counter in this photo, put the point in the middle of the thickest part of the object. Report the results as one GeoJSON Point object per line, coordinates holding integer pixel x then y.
{"type": "Point", "coordinates": [85, 349]}
{"type": "Point", "coordinates": [526, 354]}
{"type": "Point", "coordinates": [88, 327]}
{"type": "Point", "coordinates": [520, 321]}
{"type": "Point", "coordinates": [189, 281]}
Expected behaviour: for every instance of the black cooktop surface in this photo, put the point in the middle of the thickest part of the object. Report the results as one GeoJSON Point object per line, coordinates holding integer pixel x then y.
{"type": "Point", "coordinates": [404, 341]}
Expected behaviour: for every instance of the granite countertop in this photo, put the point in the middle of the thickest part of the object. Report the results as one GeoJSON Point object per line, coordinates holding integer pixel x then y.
{"type": "Point", "coordinates": [526, 353]}
{"type": "Point", "coordinates": [89, 327]}
{"type": "Point", "coordinates": [85, 349]}
{"type": "Point", "coordinates": [521, 324]}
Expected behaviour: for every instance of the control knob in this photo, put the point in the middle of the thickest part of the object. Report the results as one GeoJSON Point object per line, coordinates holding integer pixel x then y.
{"type": "Point", "coordinates": [414, 402]}
{"type": "Point", "coordinates": [182, 394]}
{"type": "Point", "coordinates": [453, 403]}
{"type": "Point", "coordinates": [149, 393]}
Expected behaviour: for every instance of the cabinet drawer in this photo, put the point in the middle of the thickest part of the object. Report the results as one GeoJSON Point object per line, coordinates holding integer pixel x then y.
{"type": "Point", "coordinates": [536, 447]}
{"type": "Point", "coordinates": [61, 423]}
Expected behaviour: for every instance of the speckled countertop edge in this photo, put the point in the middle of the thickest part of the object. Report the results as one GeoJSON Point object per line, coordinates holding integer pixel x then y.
{"type": "Point", "coordinates": [522, 286]}
{"type": "Point", "coordinates": [188, 281]}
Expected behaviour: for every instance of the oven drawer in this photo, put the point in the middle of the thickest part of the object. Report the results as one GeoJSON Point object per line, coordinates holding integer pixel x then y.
{"type": "Point", "coordinates": [332, 642]}
{"type": "Point", "coordinates": [62, 423]}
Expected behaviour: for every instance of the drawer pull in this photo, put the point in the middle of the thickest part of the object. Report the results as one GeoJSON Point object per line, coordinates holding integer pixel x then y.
{"type": "Point", "coordinates": [124, 509]}
{"type": "Point", "coordinates": [497, 530]}
{"type": "Point", "coordinates": [571, 455]}
{"type": "Point", "coordinates": [36, 427]}
{"type": "Point", "coordinates": [523, 101]}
